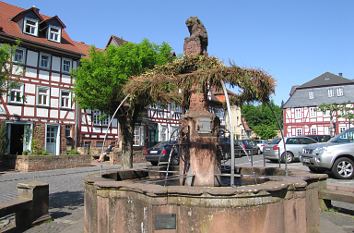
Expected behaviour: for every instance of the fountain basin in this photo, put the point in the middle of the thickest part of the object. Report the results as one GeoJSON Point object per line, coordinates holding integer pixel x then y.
{"type": "Point", "coordinates": [130, 201]}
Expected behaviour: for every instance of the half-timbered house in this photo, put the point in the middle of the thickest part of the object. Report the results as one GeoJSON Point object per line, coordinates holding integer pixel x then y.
{"type": "Point", "coordinates": [39, 109]}
{"type": "Point", "coordinates": [301, 115]}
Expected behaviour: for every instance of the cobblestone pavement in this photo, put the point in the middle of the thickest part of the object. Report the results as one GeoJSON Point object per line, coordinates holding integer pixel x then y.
{"type": "Point", "coordinates": [66, 197]}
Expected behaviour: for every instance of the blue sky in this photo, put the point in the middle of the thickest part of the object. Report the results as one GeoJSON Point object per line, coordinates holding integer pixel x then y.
{"type": "Point", "coordinates": [292, 40]}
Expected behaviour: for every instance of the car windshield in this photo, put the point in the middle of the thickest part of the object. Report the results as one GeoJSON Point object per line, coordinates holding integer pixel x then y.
{"type": "Point", "coordinates": [344, 137]}
{"type": "Point", "coordinates": [275, 141]}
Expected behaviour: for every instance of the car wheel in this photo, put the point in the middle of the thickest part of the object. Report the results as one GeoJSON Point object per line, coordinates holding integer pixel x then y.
{"type": "Point", "coordinates": [288, 156]}
{"type": "Point", "coordinates": [317, 169]}
{"type": "Point", "coordinates": [154, 163]}
{"type": "Point", "coordinates": [343, 168]}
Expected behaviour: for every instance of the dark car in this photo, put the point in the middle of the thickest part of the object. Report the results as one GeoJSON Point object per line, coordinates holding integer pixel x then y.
{"type": "Point", "coordinates": [240, 146]}
{"type": "Point", "coordinates": [161, 152]}
{"type": "Point", "coordinates": [320, 138]}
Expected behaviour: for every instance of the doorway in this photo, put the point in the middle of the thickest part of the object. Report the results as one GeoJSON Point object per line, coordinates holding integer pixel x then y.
{"type": "Point", "coordinates": [16, 138]}
{"type": "Point", "coordinates": [52, 145]}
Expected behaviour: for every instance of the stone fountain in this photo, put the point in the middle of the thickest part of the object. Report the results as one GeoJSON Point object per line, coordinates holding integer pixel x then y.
{"type": "Point", "coordinates": [197, 200]}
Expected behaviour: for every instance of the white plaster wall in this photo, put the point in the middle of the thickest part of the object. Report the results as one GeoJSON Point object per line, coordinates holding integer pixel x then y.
{"type": "Point", "coordinates": [32, 58]}
{"type": "Point", "coordinates": [74, 65]}
{"type": "Point", "coordinates": [28, 111]}
{"type": "Point", "coordinates": [30, 100]}
{"type": "Point", "coordinates": [54, 103]}
{"type": "Point", "coordinates": [54, 91]}
{"type": "Point", "coordinates": [84, 129]}
{"type": "Point", "coordinates": [17, 70]}
{"type": "Point", "coordinates": [54, 113]}
{"type": "Point", "coordinates": [55, 77]}
{"type": "Point", "coordinates": [96, 130]}
{"type": "Point", "coordinates": [14, 109]}
{"type": "Point", "coordinates": [42, 112]}
{"type": "Point", "coordinates": [44, 75]}
{"type": "Point", "coordinates": [70, 116]}
{"type": "Point", "coordinates": [66, 79]}
{"type": "Point", "coordinates": [31, 73]}
{"type": "Point", "coordinates": [56, 63]}
{"type": "Point", "coordinates": [30, 88]}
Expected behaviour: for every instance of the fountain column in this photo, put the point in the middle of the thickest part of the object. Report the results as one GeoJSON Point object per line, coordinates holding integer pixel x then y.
{"type": "Point", "coordinates": [202, 138]}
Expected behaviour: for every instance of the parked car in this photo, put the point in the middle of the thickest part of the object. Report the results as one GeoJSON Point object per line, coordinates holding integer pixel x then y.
{"type": "Point", "coordinates": [260, 145]}
{"type": "Point", "coordinates": [240, 146]}
{"type": "Point", "coordinates": [294, 146]}
{"type": "Point", "coordinates": [161, 152]}
{"type": "Point", "coordinates": [335, 156]}
{"type": "Point", "coordinates": [319, 138]}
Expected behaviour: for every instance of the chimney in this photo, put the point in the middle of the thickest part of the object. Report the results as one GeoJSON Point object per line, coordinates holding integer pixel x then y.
{"type": "Point", "coordinates": [340, 74]}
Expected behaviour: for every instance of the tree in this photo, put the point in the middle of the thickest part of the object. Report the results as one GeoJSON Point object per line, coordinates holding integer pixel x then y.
{"type": "Point", "coordinates": [101, 77]}
{"type": "Point", "coordinates": [261, 119]}
{"type": "Point", "coordinates": [333, 110]}
{"type": "Point", "coordinates": [5, 55]}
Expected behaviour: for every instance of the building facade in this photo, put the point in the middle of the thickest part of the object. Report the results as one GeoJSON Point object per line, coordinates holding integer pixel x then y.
{"type": "Point", "coordinates": [301, 114]}
{"type": "Point", "coordinates": [39, 109]}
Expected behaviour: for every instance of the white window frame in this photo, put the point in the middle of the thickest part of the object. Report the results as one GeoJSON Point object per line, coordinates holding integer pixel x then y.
{"type": "Point", "coordinates": [313, 131]}
{"type": "Point", "coordinates": [313, 111]}
{"type": "Point", "coordinates": [16, 90]}
{"type": "Point", "coordinates": [35, 26]}
{"type": "Point", "coordinates": [330, 92]}
{"type": "Point", "coordinates": [311, 95]}
{"type": "Point", "coordinates": [298, 113]}
{"type": "Point", "coordinates": [40, 60]}
{"type": "Point", "coordinates": [23, 58]}
{"type": "Point", "coordinates": [96, 115]}
{"type": "Point", "coordinates": [298, 131]}
{"type": "Point", "coordinates": [341, 129]}
{"type": "Point", "coordinates": [138, 137]}
{"type": "Point", "coordinates": [54, 36]}
{"type": "Point", "coordinates": [66, 99]}
{"type": "Point", "coordinates": [40, 96]}
{"type": "Point", "coordinates": [340, 91]}
{"type": "Point", "coordinates": [63, 66]}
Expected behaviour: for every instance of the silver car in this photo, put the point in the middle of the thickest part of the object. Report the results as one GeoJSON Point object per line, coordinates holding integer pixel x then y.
{"type": "Point", "coordinates": [336, 156]}
{"type": "Point", "coordinates": [294, 146]}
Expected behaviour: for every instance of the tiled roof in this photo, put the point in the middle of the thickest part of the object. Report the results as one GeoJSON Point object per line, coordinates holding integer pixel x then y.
{"type": "Point", "coordinates": [326, 79]}
{"type": "Point", "coordinates": [83, 47]}
{"type": "Point", "coordinates": [116, 41]}
{"type": "Point", "coordinates": [12, 30]}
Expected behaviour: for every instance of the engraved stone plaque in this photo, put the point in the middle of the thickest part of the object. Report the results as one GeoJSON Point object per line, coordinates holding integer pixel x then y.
{"type": "Point", "coordinates": [204, 125]}
{"type": "Point", "coordinates": [165, 221]}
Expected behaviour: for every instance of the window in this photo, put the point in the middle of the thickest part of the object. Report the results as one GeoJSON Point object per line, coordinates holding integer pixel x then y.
{"type": "Point", "coordinates": [65, 99]}
{"type": "Point", "coordinates": [342, 129]}
{"type": "Point", "coordinates": [312, 112]}
{"type": "Point", "coordinates": [16, 93]}
{"type": "Point", "coordinates": [67, 131]}
{"type": "Point", "coordinates": [44, 61]}
{"type": "Point", "coordinates": [298, 132]}
{"type": "Point", "coordinates": [330, 92]}
{"type": "Point", "coordinates": [100, 118]}
{"type": "Point", "coordinates": [311, 95]}
{"type": "Point", "coordinates": [54, 33]}
{"type": "Point", "coordinates": [19, 55]}
{"type": "Point", "coordinates": [298, 114]}
{"type": "Point", "coordinates": [138, 136]}
{"type": "Point", "coordinates": [340, 91]}
{"type": "Point", "coordinates": [66, 66]}
{"type": "Point", "coordinates": [30, 26]}
{"type": "Point", "coordinates": [313, 131]}
{"type": "Point", "coordinates": [43, 96]}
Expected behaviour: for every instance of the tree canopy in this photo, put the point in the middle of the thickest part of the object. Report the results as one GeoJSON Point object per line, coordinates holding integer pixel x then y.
{"type": "Point", "coordinates": [261, 119]}
{"type": "Point", "coordinates": [102, 75]}
{"type": "Point", "coordinates": [5, 56]}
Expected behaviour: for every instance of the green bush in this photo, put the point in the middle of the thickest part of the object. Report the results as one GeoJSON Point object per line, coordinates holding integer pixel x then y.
{"type": "Point", "coordinates": [72, 152]}
{"type": "Point", "coordinates": [3, 139]}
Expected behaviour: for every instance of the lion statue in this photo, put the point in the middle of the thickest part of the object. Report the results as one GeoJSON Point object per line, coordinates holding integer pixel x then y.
{"type": "Point", "coordinates": [198, 33]}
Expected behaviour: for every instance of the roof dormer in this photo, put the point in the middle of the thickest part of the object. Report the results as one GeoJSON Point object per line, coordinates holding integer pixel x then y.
{"type": "Point", "coordinates": [53, 28]}
{"type": "Point", "coordinates": [29, 20]}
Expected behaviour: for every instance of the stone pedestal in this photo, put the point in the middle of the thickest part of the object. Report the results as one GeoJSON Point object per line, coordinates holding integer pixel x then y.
{"type": "Point", "coordinates": [202, 151]}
